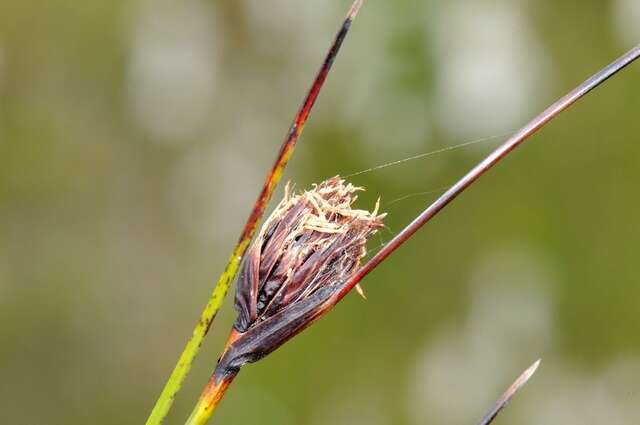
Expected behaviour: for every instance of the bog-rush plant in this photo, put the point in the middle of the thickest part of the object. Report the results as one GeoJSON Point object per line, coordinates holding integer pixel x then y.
{"type": "Point", "coordinates": [255, 335]}
{"type": "Point", "coordinates": [307, 254]}
{"type": "Point", "coordinates": [183, 366]}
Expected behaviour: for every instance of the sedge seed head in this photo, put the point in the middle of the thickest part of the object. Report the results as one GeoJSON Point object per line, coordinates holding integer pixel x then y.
{"type": "Point", "coordinates": [311, 240]}
{"type": "Point", "coordinates": [307, 249]}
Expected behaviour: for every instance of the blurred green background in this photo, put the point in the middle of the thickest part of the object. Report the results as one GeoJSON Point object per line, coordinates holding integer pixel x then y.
{"type": "Point", "coordinates": [134, 136]}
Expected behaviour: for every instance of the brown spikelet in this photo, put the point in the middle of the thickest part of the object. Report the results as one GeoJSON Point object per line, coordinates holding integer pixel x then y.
{"type": "Point", "coordinates": [311, 244]}
{"type": "Point", "coordinates": [311, 240]}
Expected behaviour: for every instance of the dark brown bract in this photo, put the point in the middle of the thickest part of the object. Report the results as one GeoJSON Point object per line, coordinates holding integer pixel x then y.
{"type": "Point", "coordinates": [311, 244]}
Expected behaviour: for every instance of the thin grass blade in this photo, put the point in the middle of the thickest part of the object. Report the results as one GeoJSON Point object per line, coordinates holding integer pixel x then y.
{"type": "Point", "coordinates": [492, 159]}
{"type": "Point", "coordinates": [508, 395]}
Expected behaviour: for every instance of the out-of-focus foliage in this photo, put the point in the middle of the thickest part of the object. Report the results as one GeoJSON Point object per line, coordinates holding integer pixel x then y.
{"type": "Point", "coordinates": [134, 136]}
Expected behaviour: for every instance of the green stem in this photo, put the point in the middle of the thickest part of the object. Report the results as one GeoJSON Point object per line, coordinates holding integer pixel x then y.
{"type": "Point", "coordinates": [174, 383]}
{"type": "Point", "coordinates": [182, 368]}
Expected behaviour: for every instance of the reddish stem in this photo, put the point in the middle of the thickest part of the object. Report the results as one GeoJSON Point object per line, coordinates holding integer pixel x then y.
{"type": "Point", "coordinates": [494, 157]}
{"type": "Point", "coordinates": [297, 126]}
